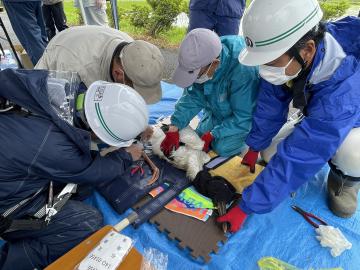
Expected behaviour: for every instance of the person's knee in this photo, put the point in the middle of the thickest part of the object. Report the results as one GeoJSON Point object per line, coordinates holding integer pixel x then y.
{"type": "Point", "coordinates": [268, 153]}
{"type": "Point", "coordinates": [90, 220]}
{"type": "Point", "coordinates": [84, 218]}
{"type": "Point", "coordinates": [228, 147]}
{"type": "Point", "coordinates": [283, 133]}
{"type": "Point", "coordinates": [347, 157]}
{"type": "Point", "coordinates": [78, 224]}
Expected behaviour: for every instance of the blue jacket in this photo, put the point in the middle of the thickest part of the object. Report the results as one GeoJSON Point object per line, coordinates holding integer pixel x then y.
{"type": "Point", "coordinates": [42, 147]}
{"type": "Point", "coordinates": [228, 8]}
{"type": "Point", "coordinates": [333, 110]}
{"type": "Point", "coordinates": [228, 99]}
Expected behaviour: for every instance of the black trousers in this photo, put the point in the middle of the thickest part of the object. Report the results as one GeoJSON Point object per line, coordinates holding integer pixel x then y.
{"type": "Point", "coordinates": [54, 15]}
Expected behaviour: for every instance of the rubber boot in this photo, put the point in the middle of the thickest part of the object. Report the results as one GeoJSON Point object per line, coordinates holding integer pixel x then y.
{"type": "Point", "coordinates": [342, 192]}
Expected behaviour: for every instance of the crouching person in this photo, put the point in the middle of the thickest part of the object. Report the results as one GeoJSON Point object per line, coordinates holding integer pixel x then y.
{"type": "Point", "coordinates": [45, 146]}
{"type": "Point", "coordinates": [218, 84]}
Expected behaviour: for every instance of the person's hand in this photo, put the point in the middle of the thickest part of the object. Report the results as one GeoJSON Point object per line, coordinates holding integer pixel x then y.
{"type": "Point", "coordinates": [207, 138]}
{"type": "Point", "coordinates": [235, 217]}
{"type": "Point", "coordinates": [100, 3]}
{"type": "Point", "coordinates": [250, 159]}
{"type": "Point", "coordinates": [135, 150]}
{"type": "Point", "coordinates": [146, 134]}
{"type": "Point", "coordinates": [171, 141]}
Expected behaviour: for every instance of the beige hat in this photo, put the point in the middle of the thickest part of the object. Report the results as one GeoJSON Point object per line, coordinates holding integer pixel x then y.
{"type": "Point", "coordinates": [143, 63]}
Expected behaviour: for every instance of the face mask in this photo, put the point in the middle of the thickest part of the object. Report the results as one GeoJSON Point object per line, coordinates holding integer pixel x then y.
{"type": "Point", "coordinates": [204, 78]}
{"type": "Point", "coordinates": [276, 75]}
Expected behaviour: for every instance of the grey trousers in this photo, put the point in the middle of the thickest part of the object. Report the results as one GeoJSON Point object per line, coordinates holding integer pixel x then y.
{"type": "Point", "coordinates": [96, 16]}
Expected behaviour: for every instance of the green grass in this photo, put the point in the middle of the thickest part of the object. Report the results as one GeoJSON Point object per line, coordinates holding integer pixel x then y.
{"type": "Point", "coordinates": [71, 14]}
{"type": "Point", "coordinates": [170, 38]}
{"type": "Point", "coordinates": [175, 35]}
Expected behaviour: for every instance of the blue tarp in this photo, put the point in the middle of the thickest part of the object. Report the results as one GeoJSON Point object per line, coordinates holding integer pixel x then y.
{"type": "Point", "coordinates": [164, 108]}
{"type": "Point", "coordinates": [282, 234]}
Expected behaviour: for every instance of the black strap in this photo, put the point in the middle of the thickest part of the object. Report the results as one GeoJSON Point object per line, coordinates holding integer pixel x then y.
{"type": "Point", "coordinates": [21, 204]}
{"type": "Point", "coordinates": [350, 179]}
{"type": "Point", "coordinates": [295, 53]}
{"type": "Point", "coordinates": [9, 225]}
{"type": "Point", "coordinates": [300, 96]}
{"type": "Point", "coordinates": [26, 224]}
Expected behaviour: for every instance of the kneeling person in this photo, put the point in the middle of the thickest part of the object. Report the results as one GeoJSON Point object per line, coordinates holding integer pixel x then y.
{"type": "Point", "coordinates": [50, 143]}
{"type": "Point", "coordinates": [219, 85]}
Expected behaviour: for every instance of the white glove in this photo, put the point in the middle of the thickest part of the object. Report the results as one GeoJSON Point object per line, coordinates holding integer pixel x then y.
{"type": "Point", "coordinates": [333, 238]}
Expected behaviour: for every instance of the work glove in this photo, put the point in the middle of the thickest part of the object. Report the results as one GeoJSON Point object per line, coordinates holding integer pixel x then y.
{"type": "Point", "coordinates": [170, 143]}
{"type": "Point", "coordinates": [250, 159]}
{"type": "Point", "coordinates": [235, 217]}
{"type": "Point", "coordinates": [207, 138]}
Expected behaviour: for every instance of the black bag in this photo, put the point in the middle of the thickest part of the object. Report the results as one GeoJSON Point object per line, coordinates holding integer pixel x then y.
{"type": "Point", "coordinates": [125, 192]}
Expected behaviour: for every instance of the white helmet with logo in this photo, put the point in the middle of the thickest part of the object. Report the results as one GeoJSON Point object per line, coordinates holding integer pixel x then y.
{"type": "Point", "coordinates": [116, 113]}
{"type": "Point", "coordinates": [272, 27]}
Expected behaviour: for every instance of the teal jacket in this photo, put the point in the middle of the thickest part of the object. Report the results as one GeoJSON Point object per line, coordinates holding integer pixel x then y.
{"type": "Point", "coordinates": [228, 100]}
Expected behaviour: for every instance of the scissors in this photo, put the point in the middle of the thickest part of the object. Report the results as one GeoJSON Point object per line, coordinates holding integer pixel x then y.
{"type": "Point", "coordinates": [308, 217]}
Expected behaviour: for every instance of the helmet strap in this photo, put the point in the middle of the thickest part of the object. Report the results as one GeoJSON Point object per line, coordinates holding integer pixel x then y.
{"type": "Point", "coordinates": [295, 53]}
{"type": "Point", "coordinates": [80, 112]}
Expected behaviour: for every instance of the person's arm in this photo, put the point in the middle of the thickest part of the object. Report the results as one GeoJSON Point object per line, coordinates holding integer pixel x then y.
{"type": "Point", "coordinates": [69, 165]}
{"type": "Point", "coordinates": [243, 93]}
{"type": "Point", "coordinates": [188, 106]}
{"type": "Point", "coordinates": [270, 115]}
{"type": "Point", "coordinates": [300, 156]}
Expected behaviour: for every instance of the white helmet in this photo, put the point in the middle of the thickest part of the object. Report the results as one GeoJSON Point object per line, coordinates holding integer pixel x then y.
{"type": "Point", "coordinates": [272, 27]}
{"type": "Point", "coordinates": [116, 113]}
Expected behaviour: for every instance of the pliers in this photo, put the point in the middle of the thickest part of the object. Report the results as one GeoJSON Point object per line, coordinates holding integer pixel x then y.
{"type": "Point", "coordinates": [308, 217]}
{"type": "Point", "coordinates": [138, 168]}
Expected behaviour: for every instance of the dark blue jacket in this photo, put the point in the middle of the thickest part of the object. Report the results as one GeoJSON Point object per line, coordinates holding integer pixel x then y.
{"type": "Point", "coordinates": [228, 8]}
{"type": "Point", "coordinates": [21, 1]}
{"type": "Point", "coordinates": [42, 147]}
{"type": "Point", "coordinates": [333, 110]}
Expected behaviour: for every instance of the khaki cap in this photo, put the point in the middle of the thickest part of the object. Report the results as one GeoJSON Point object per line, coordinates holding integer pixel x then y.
{"type": "Point", "coordinates": [144, 64]}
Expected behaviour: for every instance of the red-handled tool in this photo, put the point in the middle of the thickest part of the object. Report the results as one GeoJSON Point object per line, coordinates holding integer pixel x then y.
{"type": "Point", "coordinates": [138, 168]}
{"type": "Point", "coordinates": [309, 216]}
